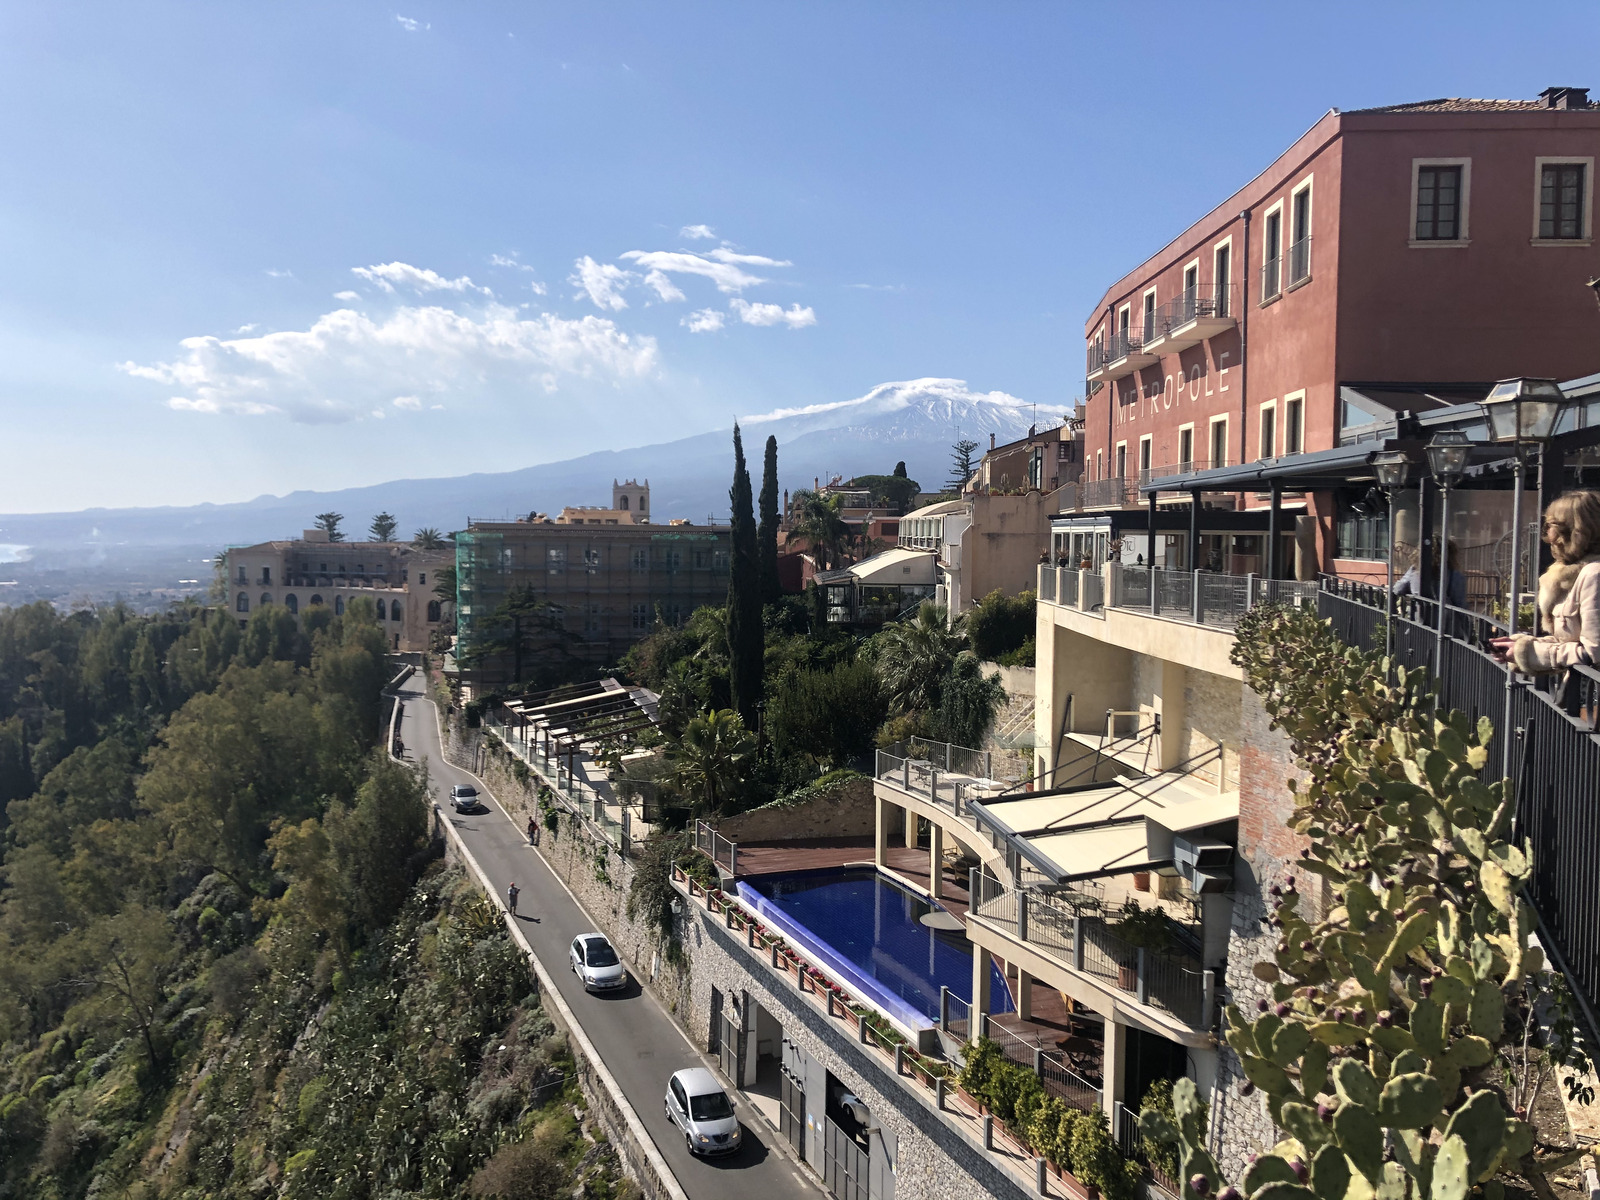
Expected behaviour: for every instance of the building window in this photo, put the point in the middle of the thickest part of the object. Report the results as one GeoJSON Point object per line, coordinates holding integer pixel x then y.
{"type": "Point", "coordinates": [1186, 449]}
{"type": "Point", "coordinates": [644, 503]}
{"type": "Point", "coordinates": [381, 612]}
{"type": "Point", "coordinates": [1271, 251]}
{"type": "Point", "coordinates": [624, 505]}
{"type": "Point", "coordinates": [1099, 464]}
{"type": "Point", "coordinates": [1222, 278]}
{"type": "Point", "coordinates": [1294, 425]}
{"type": "Point", "coordinates": [1122, 460]}
{"type": "Point", "coordinates": [1563, 199]}
{"type": "Point", "coordinates": [1149, 327]}
{"type": "Point", "coordinates": [338, 606]}
{"type": "Point", "coordinates": [242, 604]}
{"type": "Point", "coordinates": [591, 620]}
{"type": "Point", "coordinates": [422, 578]}
{"type": "Point", "coordinates": [1269, 431]}
{"type": "Point", "coordinates": [1144, 459]}
{"type": "Point", "coordinates": [1361, 531]}
{"type": "Point", "coordinates": [394, 610]}
{"type": "Point", "coordinates": [591, 560]}
{"type": "Point", "coordinates": [1300, 237]}
{"type": "Point", "coordinates": [641, 558]}
{"type": "Point", "coordinates": [641, 618]}
{"type": "Point", "coordinates": [266, 576]}
{"type": "Point", "coordinates": [555, 560]}
{"type": "Point", "coordinates": [243, 576]}
{"type": "Point", "coordinates": [292, 602]}
{"type": "Point", "coordinates": [1439, 203]}
{"type": "Point", "coordinates": [266, 599]}
{"type": "Point", "coordinates": [433, 612]}
{"type": "Point", "coordinates": [317, 598]}
{"type": "Point", "coordinates": [719, 560]}
{"type": "Point", "coordinates": [702, 559]}
{"type": "Point", "coordinates": [1219, 442]}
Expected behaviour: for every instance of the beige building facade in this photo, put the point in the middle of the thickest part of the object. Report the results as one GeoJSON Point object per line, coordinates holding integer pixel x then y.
{"type": "Point", "coordinates": [308, 571]}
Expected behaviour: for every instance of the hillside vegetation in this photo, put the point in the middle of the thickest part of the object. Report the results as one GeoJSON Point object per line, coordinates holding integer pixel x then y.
{"type": "Point", "coordinates": [231, 961]}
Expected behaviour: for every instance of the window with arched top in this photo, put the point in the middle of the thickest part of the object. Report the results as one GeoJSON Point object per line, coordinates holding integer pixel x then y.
{"type": "Point", "coordinates": [394, 610]}
{"type": "Point", "coordinates": [266, 598]}
{"type": "Point", "coordinates": [338, 606]}
{"type": "Point", "coordinates": [317, 599]}
{"type": "Point", "coordinates": [624, 504]}
{"type": "Point", "coordinates": [644, 502]}
{"type": "Point", "coordinates": [242, 604]}
{"type": "Point", "coordinates": [381, 617]}
{"type": "Point", "coordinates": [433, 610]}
{"type": "Point", "coordinates": [292, 602]}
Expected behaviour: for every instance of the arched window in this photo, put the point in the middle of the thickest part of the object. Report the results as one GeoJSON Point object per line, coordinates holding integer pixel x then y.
{"type": "Point", "coordinates": [624, 504]}
{"type": "Point", "coordinates": [644, 502]}
{"type": "Point", "coordinates": [381, 617]}
{"type": "Point", "coordinates": [292, 602]}
{"type": "Point", "coordinates": [242, 604]}
{"type": "Point", "coordinates": [317, 599]}
{"type": "Point", "coordinates": [394, 610]}
{"type": "Point", "coordinates": [338, 606]}
{"type": "Point", "coordinates": [433, 610]}
{"type": "Point", "coordinates": [266, 598]}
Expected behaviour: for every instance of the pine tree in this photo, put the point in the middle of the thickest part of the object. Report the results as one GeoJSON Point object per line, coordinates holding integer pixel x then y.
{"type": "Point", "coordinates": [961, 464]}
{"type": "Point", "coordinates": [770, 590]}
{"type": "Point", "coordinates": [746, 639]}
{"type": "Point", "coordinates": [382, 528]}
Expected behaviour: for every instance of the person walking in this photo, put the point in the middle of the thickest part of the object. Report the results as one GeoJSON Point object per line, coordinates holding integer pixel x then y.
{"type": "Point", "coordinates": [512, 893]}
{"type": "Point", "coordinates": [533, 831]}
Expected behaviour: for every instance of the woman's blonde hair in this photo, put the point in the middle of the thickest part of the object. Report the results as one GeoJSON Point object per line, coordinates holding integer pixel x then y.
{"type": "Point", "coordinates": [1577, 517]}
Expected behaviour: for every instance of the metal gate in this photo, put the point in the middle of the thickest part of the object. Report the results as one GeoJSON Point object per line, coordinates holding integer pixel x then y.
{"type": "Point", "coordinates": [792, 1111]}
{"type": "Point", "coordinates": [844, 1164]}
{"type": "Point", "coordinates": [730, 1050]}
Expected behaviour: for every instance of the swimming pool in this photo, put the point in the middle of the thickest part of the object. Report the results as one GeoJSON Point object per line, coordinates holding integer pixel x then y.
{"type": "Point", "coordinates": [865, 929]}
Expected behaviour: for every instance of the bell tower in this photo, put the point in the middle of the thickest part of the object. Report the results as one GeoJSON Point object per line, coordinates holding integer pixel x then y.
{"type": "Point", "coordinates": [632, 496]}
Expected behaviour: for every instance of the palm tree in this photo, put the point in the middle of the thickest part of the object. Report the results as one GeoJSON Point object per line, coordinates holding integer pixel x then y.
{"type": "Point", "coordinates": [913, 658]}
{"type": "Point", "coordinates": [816, 518]}
{"type": "Point", "coordinates": [710, 758]}
{"type": "Point", "coordinates": [428, 539]}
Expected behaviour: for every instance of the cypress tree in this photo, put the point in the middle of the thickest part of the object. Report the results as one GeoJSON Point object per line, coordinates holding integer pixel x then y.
{"type": "Point", "coordinates": [770, 591]}
{"type": "Point", "coordinates": [746, 639]}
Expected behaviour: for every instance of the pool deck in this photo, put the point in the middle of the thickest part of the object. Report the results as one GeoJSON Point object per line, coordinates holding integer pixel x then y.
{"type": "Point", "coordinates": [1049, 1026]}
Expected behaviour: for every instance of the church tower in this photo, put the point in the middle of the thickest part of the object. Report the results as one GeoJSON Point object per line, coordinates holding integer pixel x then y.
{"type": "Point", "coordinates": [632, 496]}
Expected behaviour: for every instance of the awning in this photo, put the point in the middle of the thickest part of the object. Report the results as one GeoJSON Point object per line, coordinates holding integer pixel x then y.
{"type": "Point", "coordinates": [1103, 829]}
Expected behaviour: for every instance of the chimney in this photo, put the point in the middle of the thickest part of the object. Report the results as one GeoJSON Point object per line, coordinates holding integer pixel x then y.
{"type": "Point", "coordinates": [991, 441]}
{"type": "Point", "coordinates": [1565, 97]}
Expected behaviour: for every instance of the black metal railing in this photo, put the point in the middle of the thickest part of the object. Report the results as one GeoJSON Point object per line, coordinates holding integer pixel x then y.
{"type": "Point", "coordinates": [1554, 759]}
{"type": "Point", "coordinates": [1118, 490]}
{"type": "Point", "coordinates": [1191, 304]}
{"type": "Point", "coordinates": [1123, 343]}
{"type": "Point", "coordinates": [1300, 261]}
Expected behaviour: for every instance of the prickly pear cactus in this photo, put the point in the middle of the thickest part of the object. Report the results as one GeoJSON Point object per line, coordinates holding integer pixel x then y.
{"type": "Point", "coordinates": [1375, 1051]}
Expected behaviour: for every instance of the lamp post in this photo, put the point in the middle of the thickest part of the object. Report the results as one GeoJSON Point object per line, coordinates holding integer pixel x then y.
{"type": "Point", "coordinates": [1391, 470]}
{"type": "Point", "coordinates": [1521, 410]}
{"type": "Point", "coordinates": [1447, 459]}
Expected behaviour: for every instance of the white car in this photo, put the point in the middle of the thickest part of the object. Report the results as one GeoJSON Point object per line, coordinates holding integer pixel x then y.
{"type": "Point", "coordinates": [464, 798]}
{"type": "Point", "coordinates": [699, 1107]}
{"type": "Point", "coordinates": [595, 962]}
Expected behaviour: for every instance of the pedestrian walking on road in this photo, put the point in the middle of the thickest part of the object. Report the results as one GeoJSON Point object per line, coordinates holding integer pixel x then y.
{"type": "Point", "coordinates": [533, 831]}
{"type": "Point", "coordinates": [512, 893]}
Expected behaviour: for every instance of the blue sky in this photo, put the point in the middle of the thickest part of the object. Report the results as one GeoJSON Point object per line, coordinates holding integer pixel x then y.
{"type": "Point", "coordinates": [253, 248]}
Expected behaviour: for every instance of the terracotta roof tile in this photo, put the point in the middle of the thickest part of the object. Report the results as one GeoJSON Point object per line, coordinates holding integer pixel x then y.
{"type": "Point", "coordinates": [1458, 104]}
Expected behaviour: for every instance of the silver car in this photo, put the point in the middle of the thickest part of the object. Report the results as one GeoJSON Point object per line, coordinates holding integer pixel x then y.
{"type": "Point", "coordinates": [699, 1107]}
{"type": "Point", "coordinates": [595, 962]}
{"type": "Point", "coordinates": [464, 798]}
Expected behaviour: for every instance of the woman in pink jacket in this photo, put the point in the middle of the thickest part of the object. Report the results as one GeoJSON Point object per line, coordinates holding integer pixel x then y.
{"type": "Point", "coordinates": [1569, 592]}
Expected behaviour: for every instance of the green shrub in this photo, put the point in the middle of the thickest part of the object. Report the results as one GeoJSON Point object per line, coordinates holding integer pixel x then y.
{"type": "Point", "coordinates": [999, 625]}
{"type": "Point", "coordinates": [1096, 1161]}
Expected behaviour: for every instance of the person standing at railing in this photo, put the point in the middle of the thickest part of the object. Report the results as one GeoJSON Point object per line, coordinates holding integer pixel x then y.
{"type": "Point", "coordinates": [1410, 584]}
{"type": "Point", "coordinates": [1569, 593]}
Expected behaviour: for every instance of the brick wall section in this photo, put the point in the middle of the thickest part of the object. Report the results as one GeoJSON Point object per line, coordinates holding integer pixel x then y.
{"type": "Point", "coordinates": [1267, 846]}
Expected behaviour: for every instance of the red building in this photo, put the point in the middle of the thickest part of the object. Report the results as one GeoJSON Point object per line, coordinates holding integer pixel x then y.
{"type": "Point", "coordinates": [1393, 258]}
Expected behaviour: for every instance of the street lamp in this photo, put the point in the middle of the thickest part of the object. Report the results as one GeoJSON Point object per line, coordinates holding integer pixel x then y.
{"type": "Point", "coordinates": [1447, 459]}
{"type": "Point", "coordinates": [1391, 470]}
{"type": "Point", "coordinates": [1521, 410]}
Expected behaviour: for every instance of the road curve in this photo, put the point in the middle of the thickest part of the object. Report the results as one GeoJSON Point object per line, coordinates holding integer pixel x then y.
{"type": "Point", "coordinates": [638, 1041]}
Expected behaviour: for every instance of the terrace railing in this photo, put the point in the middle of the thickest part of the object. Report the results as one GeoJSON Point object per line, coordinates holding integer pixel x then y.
{"type": "Point", "coordinates": [1551, 751]}
{"type": "Point", "coordinates": [718, 849]}
{"type": "Point", "coordinates": [1088, 944]}
{"type": "Point", "coordinates": [1202, 597]}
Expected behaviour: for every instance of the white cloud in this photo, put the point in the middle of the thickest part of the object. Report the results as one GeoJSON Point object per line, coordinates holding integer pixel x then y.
{"type": "Point", "coordinates": [410, 403]}
{"type": "Point", "coordinates": [603, 282]}
{"type": "Point", "coordinates": [723, 255]}
{"type": "Point", "coordinates": [877, 287]}
{"type": "Point", "coordinates": [663, 286]}
{"type": "Point", "coordinates": [794, 317]}
{"type": "Point", "coordinates": [410, 24]}
{"type": "Point", "coordinates": [704, 320]}
{"type": "Point", "coordinates": [347, 295]}
{"type": "Point", "coordinates": [250, 328]}
{"type": "Point", "coordinates": [501, 260]}
{"type": "Point", "coordinates": [346, 365]}
{"type": "Point", "coordinates": [727, 276]}
{"type": "Point", "coordinates": [696, 232]}
{"type": "Point", "coordinates": [274, 273]}
{"type": "Point", "coordinates": [386, 275]}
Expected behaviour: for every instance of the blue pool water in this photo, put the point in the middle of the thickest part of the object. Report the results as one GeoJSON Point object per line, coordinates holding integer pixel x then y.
{"type": "Point", "coordinates": [865, 930]}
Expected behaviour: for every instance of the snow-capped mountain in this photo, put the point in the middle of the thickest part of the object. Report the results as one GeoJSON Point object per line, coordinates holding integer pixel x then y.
{"type": "Point", "coordinates": [916, 421]}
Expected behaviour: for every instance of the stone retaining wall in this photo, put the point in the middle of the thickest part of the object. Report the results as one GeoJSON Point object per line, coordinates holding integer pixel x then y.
{"type": "Point", "coordinates": [847, 809]}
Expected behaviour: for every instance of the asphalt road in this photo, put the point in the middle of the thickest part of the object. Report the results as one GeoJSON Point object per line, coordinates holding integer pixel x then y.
{"type": "Point", "coordinates": [637, 1039]}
